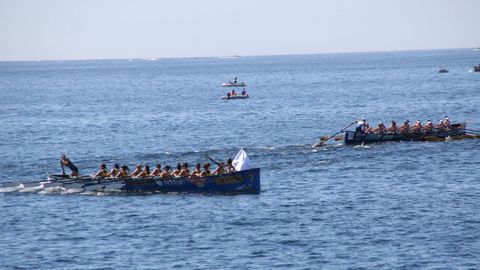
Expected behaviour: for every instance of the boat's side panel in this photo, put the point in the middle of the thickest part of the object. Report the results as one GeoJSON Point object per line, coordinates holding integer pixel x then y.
{"type": "Point", "coordinates": [239, 182]}
{"type": "Point", "coordinates": [353, 137]}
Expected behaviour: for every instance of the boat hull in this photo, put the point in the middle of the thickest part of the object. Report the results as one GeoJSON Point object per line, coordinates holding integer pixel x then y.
{"type": "Point", "coordinates": [234, 85]}
{"type": "Point", "coordinates": [244, 182]}
{"type": "Point", "coordinates": [353, 137]}
{"type": "Point", "coordinates": [237, 97]}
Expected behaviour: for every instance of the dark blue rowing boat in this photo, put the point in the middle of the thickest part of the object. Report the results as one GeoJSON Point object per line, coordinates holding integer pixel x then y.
{"type": "Point", "coordinates": [354, 137]}
{"type": "Point", "coordinates": [241, 182]}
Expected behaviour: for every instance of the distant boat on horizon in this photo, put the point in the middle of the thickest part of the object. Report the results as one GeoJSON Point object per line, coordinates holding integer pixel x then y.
{"type": "Point", "coordinates": [229, 56]}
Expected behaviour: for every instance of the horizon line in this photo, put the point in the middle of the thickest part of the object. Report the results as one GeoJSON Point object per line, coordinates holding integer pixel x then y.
{"type": "Point", "coordinates": [234, 55]}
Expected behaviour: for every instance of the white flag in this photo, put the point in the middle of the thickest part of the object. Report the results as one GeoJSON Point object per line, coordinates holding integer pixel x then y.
{"type": "Point", "coordinates": [241, 161]}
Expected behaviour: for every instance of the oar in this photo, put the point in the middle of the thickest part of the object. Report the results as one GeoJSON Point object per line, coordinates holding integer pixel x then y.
{"type": "Point", "coordinates": [323, 140]}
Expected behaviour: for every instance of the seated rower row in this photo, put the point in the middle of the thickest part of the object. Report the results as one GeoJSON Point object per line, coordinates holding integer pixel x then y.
{"type": "Point", "coordinates": [181, 170]}
{"type": "Point", "coordinates": [364, 127]}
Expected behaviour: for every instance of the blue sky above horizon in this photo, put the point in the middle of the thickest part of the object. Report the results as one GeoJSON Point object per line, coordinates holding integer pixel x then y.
{"type": "Point", "coordinates": [75, 29]}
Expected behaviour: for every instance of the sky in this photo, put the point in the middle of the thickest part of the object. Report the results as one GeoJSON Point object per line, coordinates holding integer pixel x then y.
{"type": "Point", "coordinates": [114, 29]}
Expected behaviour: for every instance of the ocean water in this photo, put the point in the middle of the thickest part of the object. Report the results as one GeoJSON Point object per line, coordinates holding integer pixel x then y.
{"type": "Point", "coordinates": [407, 205]}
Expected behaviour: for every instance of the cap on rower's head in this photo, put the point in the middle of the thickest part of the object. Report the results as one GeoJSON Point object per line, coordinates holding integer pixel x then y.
{"type": "Point", "coordinates": [363, 119]}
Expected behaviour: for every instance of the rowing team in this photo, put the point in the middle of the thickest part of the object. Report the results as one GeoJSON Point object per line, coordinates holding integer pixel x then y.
{"type": "Point", "coordinates": [181, 170]}
{"type": "Point", "coordinates": [364, 127]}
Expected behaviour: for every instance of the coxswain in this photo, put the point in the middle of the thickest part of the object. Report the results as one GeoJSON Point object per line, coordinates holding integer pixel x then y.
{"type": "Point", "coordinates": [145, 172]}
{"type": "Point", "coordinates": [102, 172]}
{"type": "Point", "coordinates": [405, 127]}
{"type": "Point", "coordinates": [206, 170]}
{"type": "Point", "coordinates": [428, 127]}
{"type": "Point", "coordinates": [230, 168]}
{"type": "Point", "coordinates": [417, 127]}
{"type": "Point", "coordinates": [137, 171]}
{"type": "Point", "coordinates": [123, 172]}
{"type": "Point", "coordinates": [393, 127]}
{"type": "Point", "coordinates": [157, 171]}
{"type": "Point", "coordinates": [361, 125]}
{"type": "Point", "coordinates": [113, 172]}
{"type": "Point", "coordinates": [64, 161]}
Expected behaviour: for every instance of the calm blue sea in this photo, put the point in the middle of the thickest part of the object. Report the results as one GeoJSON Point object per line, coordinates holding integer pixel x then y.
{"type": "Point", "coordinates": [409, 205]}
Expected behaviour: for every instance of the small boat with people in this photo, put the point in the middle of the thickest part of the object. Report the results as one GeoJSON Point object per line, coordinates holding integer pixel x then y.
{"type": "Point", "coordinates": [233, 95]}
{"type": "Point", "coordinates": [234, 83]}
{"type": "Point", "coordinates": [364, 134]}
{"type": "Point", "coordinates": [442, 70]}
{"type": "Point", "coordinates": [236, 176]}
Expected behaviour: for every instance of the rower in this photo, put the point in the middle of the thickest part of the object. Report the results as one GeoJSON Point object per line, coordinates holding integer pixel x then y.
{"type": "Point", "coordinates": [405, 127]}
{"type": "Point", "coordinates": [230, 168]}
{"type": "Point", "coordinates": [198, 170]}
{"type": "Point", "coordinates": [167, 173]}
{"type": "Point", "coordinates": [102, 171]}
{"type": "Point", "coordinates": [417, 127]}
{"type": "Point", "coordinates": [206, 170]}
{"type": "Point", "coordinates": [380, 128]}
{"type": "Point", "coordinates": [446, 122]}
{"type": "Point", "coordinates": [244, 92]}
{"type": "Point", "coordinates": [114, 171]}
{"type": "Point", "coordinates": [145, 172]}
{"type": "Point", "coordinates": [157, 171]}
{"type": "Point", "coordinates": [428, 126]}
{"type": "Point", "coordinates": [64, 161]}
{"type": "Point", "coordinates": [235, 80]}
{"type": "Point", "coordinates": [220, 169]}
{"type": "Point", "coordinates": [123, 172]}
{"type": "Point", "coordinates": [176, 172]}
{"type": "Point", "coordinates": [137, 171]}
{"type": "Point", "coordinates": [228, 94]}
{"type": "Point", "coordinates": [185, 172]}
{"type": "Point", "coordinates": [393, 127]}
{"type": "Point", "coordinates": [233, 93]}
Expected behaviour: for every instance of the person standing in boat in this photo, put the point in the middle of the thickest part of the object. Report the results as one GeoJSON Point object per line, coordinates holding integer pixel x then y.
{"type": "Point", "coordinates": [65, 162]}
{"type": "Point", "coordinates": [361, 125]}
{"type": "Point", "coordinates": [235, 80]}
